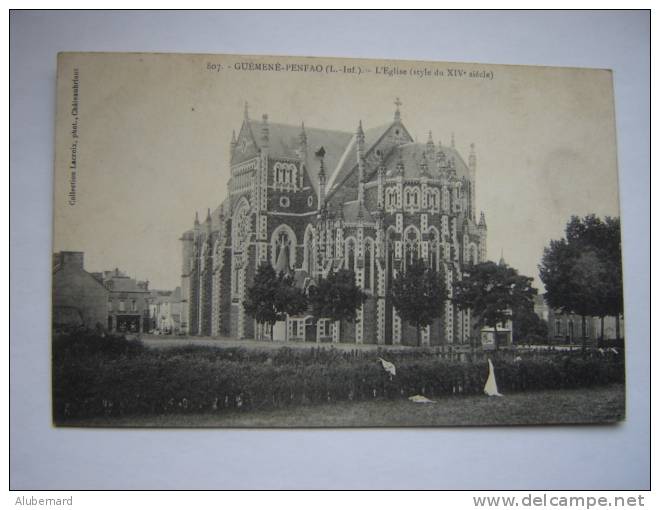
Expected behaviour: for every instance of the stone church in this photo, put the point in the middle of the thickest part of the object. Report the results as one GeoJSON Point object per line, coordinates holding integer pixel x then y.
{"type": "Point", "coordinates": [309, 201]}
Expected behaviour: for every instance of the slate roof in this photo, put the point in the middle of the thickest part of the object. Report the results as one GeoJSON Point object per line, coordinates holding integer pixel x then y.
{"type": "Point", "coordinates": [351, 212]}
{"type": "Point", "coordinates": [124, 284]}
{"type": "Point", "coordinates": [349, 158]}
{"type": "Point", "coordinates": [411, 155]}
{"type": "Point", "coordinates": [284, 142]}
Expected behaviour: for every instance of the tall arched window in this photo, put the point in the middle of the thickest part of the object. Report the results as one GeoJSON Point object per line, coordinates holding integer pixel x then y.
{"type": "Point", "coordinates": [310, 252]}
{"type": "Point", "coordinates": [389, 251]}
{"type": "Point", "coordinates": [411, 246]}
{"type": "Point", "coordinates": [368, 264]}
{"type": "Point", "coordinates": [282, 243]}
{"type": "Point", "coordinates": [433, 249]}
{"type": "Point", "coordinates": [350, 255]}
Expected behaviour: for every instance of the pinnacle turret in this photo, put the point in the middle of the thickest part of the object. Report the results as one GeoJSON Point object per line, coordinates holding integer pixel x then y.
{"type": "Point", "coordinates": [430, 147]}
{"type": "Point", "coordinates": [482, 220]}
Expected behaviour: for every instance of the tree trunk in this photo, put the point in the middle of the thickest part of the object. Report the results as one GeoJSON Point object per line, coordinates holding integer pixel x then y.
{"type": "Point", "coordinates": [602, 330]}
{"type": "Point", "coordinates": [584, 334]}
{"type": "Point", "coordinates": [419, 335]}
{"type": "Point", "coordinates": [496, 341]}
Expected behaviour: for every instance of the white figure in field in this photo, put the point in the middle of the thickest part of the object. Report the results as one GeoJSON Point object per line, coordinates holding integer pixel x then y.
{"type": "Point", "coordinates": [388, 367]}
{"type": "Point", "coordinates": [491, 384]}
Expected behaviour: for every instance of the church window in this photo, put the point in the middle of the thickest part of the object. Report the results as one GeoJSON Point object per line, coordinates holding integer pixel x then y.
{"type": "Point", "coordinates": [389, 252]}
{"type": "Point", "coordinates": [321, 327]}
{"type": "Point", "coordinates": [411, 246]}
{"type": "Point", "coordinates": [570, 329]}
{"type": "Point", "coordinates": [285, 173]}
{"type": "Point", "coordinates": [433, 250]}
{"type": "Point", "coordinates": [283, 243]}
{"type": "Point", "coordinates": [368, 264]}
{"type": "Point", "coordinates": [310, 252]}
{"type": "Point", "coordinates": [241, 227]}
{"type": "Point", "coordinates": [350, 255]}
{"type": "Point", "coordinates": [390, 197]}
{"type": "Point", "coordinates": [557, 327]}
{"type": "Point", "coordinates": [310, 201]}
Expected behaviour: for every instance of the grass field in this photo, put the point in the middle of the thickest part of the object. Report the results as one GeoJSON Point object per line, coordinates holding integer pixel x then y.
{"type": "Point", "coordinates": [589, 405]}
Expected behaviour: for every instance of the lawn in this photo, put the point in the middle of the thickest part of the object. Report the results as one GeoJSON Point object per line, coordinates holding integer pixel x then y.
{"type": "Point", "coordinates": [586, 405]}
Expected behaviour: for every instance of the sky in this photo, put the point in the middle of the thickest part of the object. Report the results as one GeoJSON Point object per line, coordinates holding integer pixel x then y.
{"type": "Point", "coordinates": [153, 136]}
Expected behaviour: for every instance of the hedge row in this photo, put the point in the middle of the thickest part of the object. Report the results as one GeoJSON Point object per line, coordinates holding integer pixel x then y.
{"type": "Point", "coordinates": [155, 382]}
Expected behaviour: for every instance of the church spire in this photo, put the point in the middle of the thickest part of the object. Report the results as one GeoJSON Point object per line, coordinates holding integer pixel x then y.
{"type": "Point", "coordinates": [453, 141]}
{"type": "Point", "coordinates": [424, 165]}
{"type": "Point", "coordinates": [320, 154]}
{"type": "Point", "coordinates": [196, 218]}
{"type": "Point", "coordinates": [452, 168]}
{"type": "Point", "coordinates": [234, 142]}
{"type": "Point", "coordinates": [360, 161]}
{"type": "Point", "coordinates": [482, 220]}
{"type": "Point", "coordinates": [430, 147]}
{"type": "Point", "coordinates": [397, 113]}
{"type": "Point", "coordinates": [303, 135]}
{"type": "Point", "coordinates": [246, 115]}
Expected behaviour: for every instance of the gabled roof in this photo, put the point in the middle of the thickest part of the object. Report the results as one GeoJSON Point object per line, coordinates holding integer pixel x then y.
{"type": "Point", "coordinates": [351, 212]}
{"type": "Point", "coordinates": [349, 158]}
{"type": "Point", "coordinates": [62, 269]}
{"type": "Point", "coordinates": [124, 284]}
{"type": "Point", "coordinates": [412, 156]}
{"type": "Point", "coordinates": [284, 142]}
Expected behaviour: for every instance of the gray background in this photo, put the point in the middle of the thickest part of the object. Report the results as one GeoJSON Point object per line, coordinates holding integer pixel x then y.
{"type": "Point", "coordinates": [607, 457]}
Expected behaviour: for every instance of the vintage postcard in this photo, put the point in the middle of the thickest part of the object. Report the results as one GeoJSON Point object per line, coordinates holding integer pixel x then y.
{"type": "Point", "coordinates": [255, 241]}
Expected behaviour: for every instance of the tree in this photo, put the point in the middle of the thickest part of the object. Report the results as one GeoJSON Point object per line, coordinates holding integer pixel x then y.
{"type": "Point", "coordinates": [271, 297]}
{"type": "Point", "coordinates": [336, 297]}
{"type": "Point", "coordinates": [582, 272]}
{"type": "Point", "coordinates": [528, 327]}
{"type": "Point", "coordinates": [493, 292]}
{"type": "Point", "coordinates": [418, 294]}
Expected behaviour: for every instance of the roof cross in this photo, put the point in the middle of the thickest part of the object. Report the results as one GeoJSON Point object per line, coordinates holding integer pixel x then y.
{"type": "Point", "coordinates": [397, 113]}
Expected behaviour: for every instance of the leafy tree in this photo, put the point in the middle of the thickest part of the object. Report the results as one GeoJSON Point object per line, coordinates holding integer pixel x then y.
{"type": "Point", "coordinates": [493, 291]}
{"type": "Point", "coordinates": [336, 297]}
{"type": "Point", "coordinates": [418, 294]}
{"type": "Point", "coordinates": [528, 327]}
{"type": "Point", "coordinates": [582, 272]}
{"type": "Point", "coordinates": [271, 297]}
